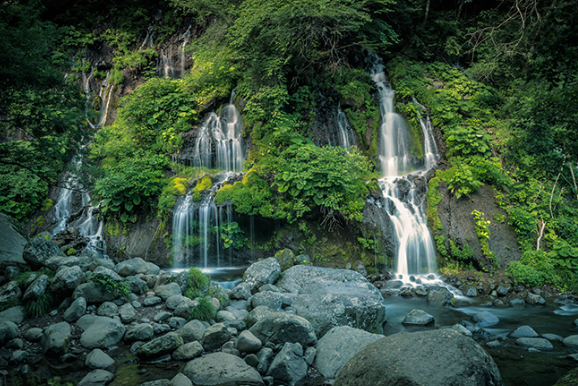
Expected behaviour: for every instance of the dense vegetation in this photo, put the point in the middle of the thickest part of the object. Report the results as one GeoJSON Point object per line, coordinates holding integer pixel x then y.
{"type": "Point", "coordinates": [499, 80]}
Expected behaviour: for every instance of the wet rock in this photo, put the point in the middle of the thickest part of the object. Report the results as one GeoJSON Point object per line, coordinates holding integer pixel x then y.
{"type": "Point", "coordinates": [273, 300]}
{"type": "Point", "coordinates": [132, 267]}
{"type": "Point", "coordinates": [552, 337]}
{"type": "Point", "coordinates": [165, 344]}
{"type": "Point", "coordinates": [247, 342]}
{"type": "Point", "coordinates": [418, 317]}
{"type": "Point", "coordinates": [194, 330]}
{"type": "Point", "coordinates": [486, 319]}
{"type": "Point", "coordinates": [10, 292]}
{"type": "Point", "coordinates": [107, 309]}
{"type": "Point", "coordinates": [96, 378]}
{"type": "Point", "coordinates": [517, 302]}
{"type": "Point", "coordinates": [221, 369]}
{"type": "Point", "coordinates": [93, 293]}
{"type": "Point", "coordinates": [174, 301]}
{"type": "Point", "coordinates": [241, 291]}
{"type": "Point", "coordinates": [36, 289]}
{"type": "Point", "coordinates": [289, 365]}
{"type": "Point", "coordinates": [12, 239]}
{"type": "Point", "coordinates": [338, 346]}
{"type": "Point", "coordinates": [13, 314]}
{"type": "Point", "coordinates": [524, 332]}
{"type": "Point", "coordinates": [66, 280]}
{"type": "Point", "coordinates": [286, 259]}
{"type": "Point", "coordinates": [100, 331]}
{"type": "Point", "coordinates": [108, 273]}
{"type": "Point", "coordinates": [188, 351]}
{"type": "Point", "coordinates": [38, 250]}
{"type": "Point", "coordinates": [504, 289]}
{"type": "Point", "coordinates": [461, 329]}
{"type": "Point", "coordinates": [394, 360]}
{"type": "Point", "coordinates": [537, 343]}
{"type": "Point", "coordinates": [142, 331]}
{"type": "Point", "coordinates": [493, 344]}
{"type": "Point", "coordinates": [97, 359]}
{"type": "Point", "coordinates": [280, 328]}
{"type": "Point", "coordinates": [215, 336]}
{"type": "Point", "coordinates": [571, 341]}
{"type": "Point", "coordinates": [329, 298]}
{"type": "Point", "coordinates": [421, 291]}
{"type": "Point", "coordinates": [55, 262]}
{"type": "Point", "coordinates": [471, 291]}
{"type": "Point", "coordinates": [263, 272]}
{"type": "Point", "coordinates": [56, 338]}
{"type": "Point", "coordinates": [168, 290]}
{"type": "Point", "coordinates": [181, 380]}
{"type": "Point", "coordinates": [440, 296]}
{"type": "Point", "coordinates": [8, 331]}
{"type": "Point", "coordinates": [535, 299]}
{"type": "Point", "coordinates": [76, 310]}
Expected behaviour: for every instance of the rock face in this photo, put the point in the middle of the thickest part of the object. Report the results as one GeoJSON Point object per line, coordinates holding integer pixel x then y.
{"type": "Point", "coordinates": [221, 369]}
{"type": "Point", "coordinates": [280, 328]}
{"type": "Point", "coordinates": [338, 346]}
{"type": "Point", "coordinates": [12, 240]}
{"type": "Point", "coordinates": [443, 357]}
{"type": "Point", "coordinates": [334, 297]}
{"type": "Point", "coordinates": [100, 331]}
{"type": "Point", "coordinates": [263, 272]}
{"type": "Point", "coordinates": [37, 252]}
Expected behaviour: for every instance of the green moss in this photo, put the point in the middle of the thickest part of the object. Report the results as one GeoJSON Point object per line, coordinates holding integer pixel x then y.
{"type": "Point", "coordinates": [203, 184]}
{"type": "Point", "coordinates": [196, 196]}
{"type": "Point", "coordinates": [71, 252]}
{"type": "Point", "coordinates": [433, 200]}
{"type": "Point", "coordinates": [47, 205]}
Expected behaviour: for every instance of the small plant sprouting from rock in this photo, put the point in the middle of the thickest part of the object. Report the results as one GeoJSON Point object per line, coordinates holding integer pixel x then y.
{"type": "Point", "coordinates": [117, 288]}
{"type": "Point", "coordinates": [206, 310]}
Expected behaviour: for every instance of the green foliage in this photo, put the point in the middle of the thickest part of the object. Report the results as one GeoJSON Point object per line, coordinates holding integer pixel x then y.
{"type": "Point", "coordinates": [197, 283]}
{"type": "Point", "coordinates": [117, 288]}
{"type": "Point", "coordinates": [252, 195]}
{"type": "Point", "coordinates": [203, 184]}
{"type": "Point", "coordinates": [483, 232]}
{"type": "Point", "coordinates": [367, 243]}
{"type": "Point", "coordinates": [71, 252]}
{"type": "Point", "coordinates": [39, 307]}
{"type": "Point", "coordinates": [176, 186]}
{"type": "Point", "coordinates": [231, 235]}
{"type": "Point", "coordinates": [524, 274]}
{"type": "Point", "coordinates": [441, 245]}
{"type": "Point", "coordinates": [434, 198]}
{"type": "Point", "coordinates": [462, 254]}
{"type": "Point", "coordinates": [206, 310]}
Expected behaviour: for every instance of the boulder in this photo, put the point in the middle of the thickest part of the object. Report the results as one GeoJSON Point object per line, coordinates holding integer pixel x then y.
{"type": "Point", "coordinates": [107, 309]}
{"type": "Point", "coordinates": [66, 280]}
{"type": "Point", "coordinates": [168, 290]}
{"type": "Point", "coordinates": [56, 262]}
{"type": "Point", "coordinates": [273, 300]}
{"type": "Point", "coordinates": [33, 334]}
{"type": "Point", "coordinates": [136, 285]}
{"type": "Point", "coordinates": [108, 272]}
{"type": "Point", "coordinates": [221, 369]}
{"type": "Point", "coordinates": [280, 328]}
{"type": "Point", "coordinates": [10, 293]}
{"type": "Point", "coordinates": [535, 299]}
{"type": "Point", "coordinates": [571, 341]}
{"type": "Point", "coordinates": [38, 251]}
{"type": "Point", "coordinates": [570, 379]}
{"type": "Point", "coordinates": [93, 293]}
{"type": "Point", "coordinates": [8, 331]}
{"type": "Point", "coordinates": [536, 343]}
{"type": "Point", "coordinates": [127, 313]}
{"type": "Point", "coordinates": [433, 358]}
{"type": "Point", "coordinates": [153, 301]}
{"type": "Point", "coordinates": [174, 301]}
{"type": "Point", "coordinates": [96, 378]}
{"type": "Point", "coordinates": [100, 331]}
{"type": "Point", "coordinates": [14, 314]}
{"type": "Point", "coordinates": [257, 314]}
{"type": "Point", "coordinates": [188, 351]}
{"type": "Point", "coordinates": [524, 332]}
{"type": "Point", "coordinates": [262, 272]}
{"type": "Point", "coordinates": [504, 289]}
{"type": "Point", "coordinates": [12, 240]}
{"type": "Point", "coordinates": [247, 342]}
{"type": "Point", "coordinates": [486, 319]}
{"type": "Point", "coordinates": [176, 322]}
{"type": "Point", "coordinates": [194, 330]}
{"type": "Point", "coordinates": [551, 337]}
{"type": "Point", "coordinates": [97, 359]}
{"type": "Point", "coordinates": [338, 346]}
{"type": "Point", "coordinates": [142, 331]}
{"type": "Point", "coordinates": [289, 365]}
{"type": "Point", "coordinates": [36, 289]}
{"type": "Point", "coordinates": [215, 336]}
{"type": "Point", "coordinates": [286, 259]}
{"type": "Point", "coordinates": [418, 318]}
{"type": "Point", "coordinates": [225, 316]}
{"type": "Point", "coordinates": [181, 380]}
{"type": "Point", "coordinates": [76, 309]}
{"type": "Point", "coordinates": [184, 309]}
{"type": "Point", "coordinates": [132, 267]}
{"type": "Point", "coordinates": [162, 345]}
{"type": "Point", "coordinates": [334, 297]}
{"type": "Point", "coordinates": [56, 338]}
{"type": "Point", "coordinates": [241, 292]}
{"type": "Point", "coordinates": [264, 356]}
{"type": "Point", "coordinates": [440, 296]}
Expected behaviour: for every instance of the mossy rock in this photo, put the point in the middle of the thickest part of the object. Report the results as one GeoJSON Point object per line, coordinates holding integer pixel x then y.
{"type": "Point", "coordinates": [286, 259]}
{"type": "Point", "coordinates": [203, 184]}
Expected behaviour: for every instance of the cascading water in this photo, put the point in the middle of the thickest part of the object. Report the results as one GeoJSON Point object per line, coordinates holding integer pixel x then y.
{"type": "Point", "coordinates": [346, 135]}
{"type": "Point", "coordinates": [168, 59]}
{"type": "Point", "coordinates": [197, 226]}
{"type": "Point", "coordinates": [415, 253]}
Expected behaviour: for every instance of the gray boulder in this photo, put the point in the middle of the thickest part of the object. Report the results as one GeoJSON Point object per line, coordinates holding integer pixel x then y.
{"type": "Point", "coordinates": [132, 267]}
{"type": "Point", "coordinates": [142, 331]}
{"type": "Point", "coordinates": [66, 280]}
{"type": "Point", "coordinates": [225, 316]}
{"type": "Point", "coordinates": [108, 272]}
{"type": "Point", "coordinates": [247, 342]}
{"type": "Point", "coordinates": [433, 358]}
{"type": "Point", "coordinates": [536, 343]}
{"type": "Point", "coordinates": [14, 314]}
{"type": "Point", "coordinates": [127, 313]}
{"type": "Point", "coordinates": [184, 309]}
{"type": "Point", "coordinates": [168, 290]}
{"type": "Point", "coordinates": [571, 341]}
{"type": "Point", "coordinates": [334, 297]}
{"type": "Point", "coordinates": [93, 293]}
{"type": "Point", "coordinates": [241, 292]}
{"type": "Point", "coordinates": [264, 356]}
{"type": "Point", "coordinates": [440, 296]}
{"type": "Point", "coordinates": [96, 378]}
{"type": "Point", "coordinates": [289, 365]}
{"type": "Point", "coordinates": [188, 351]}
{"type": "Point", "coordinates": [286, 259]}
{"type": "Point", "coordinates": [273, 300]}
{"type": "Point", "coordinates": [176, 322]}
{"type": "Point", "coordinates": [162, 345]}
{"type": "Point", "coordinates": [418, 318]}
{"type": "Point", "coordinates": [36, 289]}
{"type": "Point", "coordinates": [263, 272]}
{"type": "Point", "coordinates": [56, 338]}
{"type": "Point", "coordinates": [55, 262]}
{"type": "Point", "coordinates": [100, 331]}
{"type": "Point", "coordinates": [136, 285]}
{"type": "Point", "coordinates": [215, 336]}
{"type": "Point", "coordinates": [257, 314]}
{"type": "Point", "coordinates": [10, 292]}
{"type": "Point", "coordinates": [280, 328]}
{"type": "Point", "coordinates": [8, 331]}
{"type": "Point", "coordinates": [504, 289]}
{"type": "Point", "coordinates": [76, 310]}
{"type": "Point", "coordinates": [33, 334]}
{"type": "Point", "coordinates": [486, 319]}
{"type": "Point", "coordinates": [524, 332]}
{"type": "Point", "coordinates": [107, 309]}
{"type": "Point", "coordinates": [192, 331]}
{"type": "Point", "coordinates": [181, 380]}
{"type": "Point", "coordinates": [338, 346]}
{"type": "Point", "coordinates": [38, 250]}
{"type": "Point", "coordinates": [174, 301]}
{"type": "Point", "coordinates": [535, 299]}
{"type": "Point", "coordinates": [221, 369]}
{"type": "Point", "coordinates": [97, 359]}
{"type": "Point", "coordinates": [551, 337]}
{"type": "Point", "coordinates": [152, 301]}
{"type": "Point", "coordinates": [12, 240]}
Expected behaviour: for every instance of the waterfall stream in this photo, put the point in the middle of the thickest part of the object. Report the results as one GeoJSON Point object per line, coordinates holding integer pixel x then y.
{"type": "Point", "coordinates": [415, 254]}
{"type": "Point", "coordinates": [198, 226]}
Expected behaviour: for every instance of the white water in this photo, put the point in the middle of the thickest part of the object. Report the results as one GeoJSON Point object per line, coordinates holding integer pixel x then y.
{"type": "Point", "coordinates": [415, 254]}
{"type": "Point", "coordinates": [196, 232]}
{"type": "Point", "coordinates": [346, 135]}
{"type": "Point", "coordinates": [166, 64]}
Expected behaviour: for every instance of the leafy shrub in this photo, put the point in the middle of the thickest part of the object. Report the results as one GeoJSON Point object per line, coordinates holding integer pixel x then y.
{"type": "Point", "coordinates": [117, 288]}
{"type": "Point", "coordinates": [524, 274]}
{"type": "Point", "coordinates": [175, 187]}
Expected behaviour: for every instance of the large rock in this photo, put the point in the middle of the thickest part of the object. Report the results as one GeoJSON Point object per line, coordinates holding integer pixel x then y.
{"type": "Point", "coordinates": [38, 250]}
{"type": "Point", "coordinates": [263, 272]}
{"type": "Point", "coordinates": [338, 346]}
{"type": "Point", "coordinates": [8, 331]}
{"type": "Point", "coordinates": [12, 240]}
{"type": "Point", "coordinates": [188, 351]}
{"type": "Point", "coordinates": [257, 314]}
{"type": "Point", "coordinates": [36, 289]}
{"type": "Point", "coordinates": [286, 259]}
{"type": "Point", "coordinates": [571, 341]}
{"type": "Point", "coordinates": [486, 319]}
{"type": "Point", "coordinates": [289, 365]}
{"type": "Point", "coordinates": [440, 296]}
{"type": "Point", "coordinates": [168, 290]}
{"type": "Point", "coordinates": [93, 293]}
{"type": "Point", "coordinates": [418, 318]}
{"type": "Point", "coordinates": [162, 345]}
{"type": "Point", "coordinates": [97, 359]}
{"type": "Point", "coordinates": [142, 331]}
{"type": "Point", "coordinates": [96, 378]}
{"type": "Point", "coordinates": [127, 313]}
{"type": "Point", "coordinates": [66, 280]}
{"type": "Point", "coordinates": [132, 267]}
{"type": "Point", "coordinates": [537, 343]}
{"type": "Point", "coordinates": [56, 262]}
{"type": "Point", "coordinates": [280, 328]}
{"type": "Point", "coordinates": [100, 331]}
{"type": "Point", "coordinates": [76, 310]}
{"type": "Point", "coordinates": [56, 338]}
{"type": "Point", "coordinates": [524, 332]}
{"type": "Point", "coordinates": [10, 293]}
{"type": "Point", "coordinates": [247, 342]}
{"type": "Point", "coordinates": [433, 358]}
{"type": "Point", "coordinates": [242, 292]}
{"type": "Point", "coordinates": [220, 369]}
{"type": "Point", "coordinates": [334, 297]}
{"type": "Point", "coordinates": [192, 331]}
{"type": "Point", "coordinates": [215, 336]}
{"type": "Point", "coordinates": [14, 314]}
{"type": "Point", "coordinates": [273, 300]}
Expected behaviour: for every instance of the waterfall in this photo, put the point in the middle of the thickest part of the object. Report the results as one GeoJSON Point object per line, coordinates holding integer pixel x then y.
{"type": "Point", "coordinates": [104, 95]}
{"type": "Point", "coordinates": [346, 136]}
{"type": "Point", "coordinates": [167, 62]}
{"type": "Point", "coordinates": [197, 226]}
{"type": "Point", "coordinates": [185, 36]}
{"type": "Point", "coordinates": [415, 252]}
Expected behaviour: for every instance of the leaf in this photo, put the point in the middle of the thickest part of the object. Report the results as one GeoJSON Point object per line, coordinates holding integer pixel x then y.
{"type": "Point", "coordinates": [128, 206]}
{"type": "Point", "coordinates": [136, 200]}
{"type": "Point", "coordinates": [124, 217]}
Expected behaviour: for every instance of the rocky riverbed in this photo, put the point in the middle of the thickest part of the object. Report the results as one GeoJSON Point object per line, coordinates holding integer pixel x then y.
{"type": "Point", "coordinates": [303, 326]}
